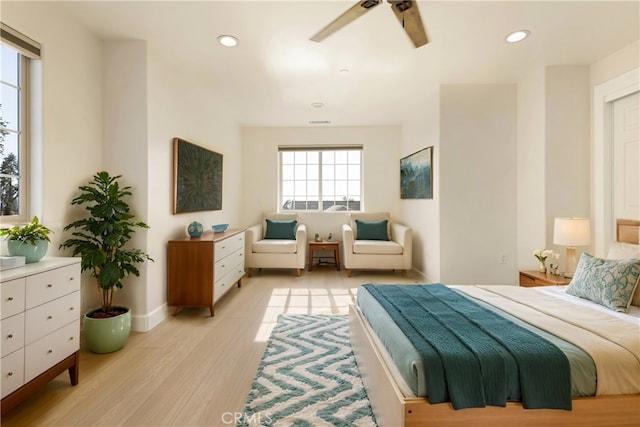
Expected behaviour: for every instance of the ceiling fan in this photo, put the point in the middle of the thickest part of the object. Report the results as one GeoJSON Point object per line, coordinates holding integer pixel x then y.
{"type": "Point", "coordinates": [406, 11]}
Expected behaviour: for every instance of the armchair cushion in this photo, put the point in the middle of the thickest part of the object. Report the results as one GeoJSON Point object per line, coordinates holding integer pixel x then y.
{"type": "Point", "coordinates": [274, 246]}
{"type": "Point", "coordinates": [372, 230]}
{"type": "Point", "coordinates": [376, 247]}
{"type": "Point", "coordinates": [280, 229]}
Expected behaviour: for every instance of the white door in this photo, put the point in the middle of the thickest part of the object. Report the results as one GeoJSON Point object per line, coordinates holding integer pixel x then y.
{"type": "Point", "coordinates": [626, 157]}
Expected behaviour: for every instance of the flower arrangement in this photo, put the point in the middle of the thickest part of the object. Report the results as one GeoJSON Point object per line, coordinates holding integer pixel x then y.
{"type": "Point", "coordinates": [542, 255]}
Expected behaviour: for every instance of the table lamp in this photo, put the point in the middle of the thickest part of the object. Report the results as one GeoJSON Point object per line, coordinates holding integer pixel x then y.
{"type": "Point", "coordinates": [571, 232]}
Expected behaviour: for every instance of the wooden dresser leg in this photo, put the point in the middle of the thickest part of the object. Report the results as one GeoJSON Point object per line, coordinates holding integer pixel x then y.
{"type": "Point", "coordinates": [404, 273]}
{"type": "Point", "coordinates": [249, 272]}
{"type": "Point", "coordinates": [349, 272]}
{"type": "Point", "coordinates": [74, 371]}
{"type": "Point", "coordinates": [211, 310]}
{"type": "Point", "coordinates": [298, 272]}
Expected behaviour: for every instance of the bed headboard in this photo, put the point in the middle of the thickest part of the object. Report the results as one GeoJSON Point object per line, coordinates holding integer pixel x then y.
{"type": "Point", "coordinates": [628, 231]}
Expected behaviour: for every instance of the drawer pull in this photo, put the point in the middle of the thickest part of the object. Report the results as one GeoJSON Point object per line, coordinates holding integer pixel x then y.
{"type": "Point", "coordinates": [10, 336]}
{"type": "Point", "coordinates": [70, 338]}
{"type": "Point", "coordinates": [50, 351]}
{"type": "Point", "coordinates": [10, 299]}
{"type": "Point", "coordinates": [49, 285]}
{"type": "Point", "coordinates": [71, 279]}
{"type": "Point", "coordinates": [9, 374]}
{"type": "Point", "coordinates": [49, 317]}
{"type": "Point", "coordinates": [71, 308]}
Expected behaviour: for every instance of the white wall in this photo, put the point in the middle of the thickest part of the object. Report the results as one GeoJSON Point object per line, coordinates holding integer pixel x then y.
{"type": "Point", "coordinates": [124, 148]}
{"type": "Point", "coordinates": [531, 167]}
{"type": "Point", "coordinates": [423, 215]}
{"type": "Point", "coordinates": [567, 153]}
{"type": "Point", "coordinates": [381, 170]}
{"type": "Point", "coordinates": [615, 64]}
{"type": "Point", "coordinates": [71, 150]}
{"type": "Point", "coordinates": [478, 188]}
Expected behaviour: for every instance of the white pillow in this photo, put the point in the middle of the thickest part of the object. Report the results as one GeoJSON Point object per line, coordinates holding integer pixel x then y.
{"type": "Point", "coordinates": [619, 250]}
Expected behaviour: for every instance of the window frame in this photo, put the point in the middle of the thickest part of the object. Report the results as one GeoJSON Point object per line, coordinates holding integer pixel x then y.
{"type": "Point", "coordinates": [28, 50]}
{"type": "Point", "coordinates": [320, 150]}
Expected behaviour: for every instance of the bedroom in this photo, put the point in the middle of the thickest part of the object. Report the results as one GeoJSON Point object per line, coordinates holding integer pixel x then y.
{"type": "Point", "coordinates": [513, 215]}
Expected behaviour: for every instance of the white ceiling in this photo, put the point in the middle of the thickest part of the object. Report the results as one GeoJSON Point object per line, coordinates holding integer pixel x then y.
{"type": "Point", "coordinates": [276, 73]}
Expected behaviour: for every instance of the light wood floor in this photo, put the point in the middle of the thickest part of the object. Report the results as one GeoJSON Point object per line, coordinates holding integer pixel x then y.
{"type": "Point", "coordinates": [191, 370]}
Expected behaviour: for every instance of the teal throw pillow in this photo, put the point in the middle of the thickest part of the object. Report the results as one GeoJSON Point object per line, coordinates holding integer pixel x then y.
{"type": "Point", "coordinates": [607, 282]}
{"type": "Point", "coordinates": [371, 230]}
{"type": "Point", "coordinates": [285, 230]}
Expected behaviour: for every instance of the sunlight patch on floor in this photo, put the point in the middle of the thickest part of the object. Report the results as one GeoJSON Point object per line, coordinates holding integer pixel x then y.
{"type": "Point", "coordinates": [304, 301]}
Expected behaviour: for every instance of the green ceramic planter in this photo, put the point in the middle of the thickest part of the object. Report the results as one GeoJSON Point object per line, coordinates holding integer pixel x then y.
{"type": "Point", "coordinates": [31, 253]}
{"type": "Point", "coordinates": [107, 335]}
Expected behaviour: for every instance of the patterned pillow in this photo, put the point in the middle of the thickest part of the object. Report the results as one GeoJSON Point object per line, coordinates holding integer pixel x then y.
{"type": "Point", "coordinates": [607, 282]}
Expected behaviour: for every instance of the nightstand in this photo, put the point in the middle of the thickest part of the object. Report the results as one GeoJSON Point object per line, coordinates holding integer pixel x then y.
{"type": "Point", "coordinates": [332, 246]}
{"type": "Point", "coordinates": [531, 278]}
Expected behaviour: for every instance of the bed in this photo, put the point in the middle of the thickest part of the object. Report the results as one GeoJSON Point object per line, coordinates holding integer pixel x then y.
{"type": "Point", "coordinates": [398, 401]}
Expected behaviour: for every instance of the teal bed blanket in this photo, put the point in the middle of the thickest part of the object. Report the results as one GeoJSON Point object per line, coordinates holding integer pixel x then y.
{"type": "Point", "coordinates": [472, 356]}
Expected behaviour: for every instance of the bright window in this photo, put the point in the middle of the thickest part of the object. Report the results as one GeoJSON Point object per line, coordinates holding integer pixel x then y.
{"type": "Point", "coordinates": [320, 179]}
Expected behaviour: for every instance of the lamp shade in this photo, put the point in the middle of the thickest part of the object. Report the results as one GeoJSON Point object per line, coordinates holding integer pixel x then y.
{"type": "Point", "coordinates": [572, 231]}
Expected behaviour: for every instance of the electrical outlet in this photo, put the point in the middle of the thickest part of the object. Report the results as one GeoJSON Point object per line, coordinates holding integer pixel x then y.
{"type": "Point", "coordinates": [502, 259]}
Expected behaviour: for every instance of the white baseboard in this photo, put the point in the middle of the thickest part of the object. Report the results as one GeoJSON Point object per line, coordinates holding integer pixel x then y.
{"type": "Point", "coordinates": [146, 322]}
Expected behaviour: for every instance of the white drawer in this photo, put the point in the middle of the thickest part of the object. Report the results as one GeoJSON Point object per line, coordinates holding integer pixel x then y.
{"type": "Point", "coordinates": [53, 315]}
{"type": "Point", "coordinates": [226, 264]}
{"type": "Point", "coordinates": [12, 372]}
{"type": "Point", "coordinates": [12, 333]}
{"type": "Point", "coordinates": [12, 297]}
{"type": "Point", "coordinates": [221, 286]}
{"type": "Point", "coordinates": [52, 284]}
{"type": "Point", "coordinates": [227, 246]}
{"type": "Point", "coordinates": [47, 351]}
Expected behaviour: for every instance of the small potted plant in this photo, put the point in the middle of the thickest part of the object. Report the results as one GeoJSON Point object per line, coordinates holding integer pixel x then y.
{"type": "Point", "coordinates": [100, 239]}
{"type": "Point", "coordinates": [30, 240]}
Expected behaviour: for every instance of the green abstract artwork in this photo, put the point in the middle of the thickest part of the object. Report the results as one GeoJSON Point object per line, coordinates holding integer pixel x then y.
{"type": "Point", "coordinates": [197, 178]}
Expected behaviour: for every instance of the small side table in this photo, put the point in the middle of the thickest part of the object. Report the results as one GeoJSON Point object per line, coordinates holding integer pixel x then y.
{"type": "Point", "coordinates": [324, 246]}
{"type": "Point", "coordinates": [531, 278]}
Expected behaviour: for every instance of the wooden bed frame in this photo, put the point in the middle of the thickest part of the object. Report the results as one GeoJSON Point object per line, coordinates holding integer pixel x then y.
{"type": "Point", "coordinates": [393, 409]}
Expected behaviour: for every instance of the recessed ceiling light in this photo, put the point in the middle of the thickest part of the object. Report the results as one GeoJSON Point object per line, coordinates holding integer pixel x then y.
{"type": "Point", "coordinates": [227, 41]}
{"type": "Point", "coordinates": [317, 105]}
{"type": "Point", "coordinates": [319, 122]}
{"type": "Point", "coordinates": [517, 36]}
{"type": "Point", "coordinates": [344, 71]}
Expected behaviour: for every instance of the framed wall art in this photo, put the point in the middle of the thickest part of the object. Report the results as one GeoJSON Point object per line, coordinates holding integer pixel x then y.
{"type": "Point", "coordinates": [197, 178]}
{"type": "Point", "coordinates": [416, 175]}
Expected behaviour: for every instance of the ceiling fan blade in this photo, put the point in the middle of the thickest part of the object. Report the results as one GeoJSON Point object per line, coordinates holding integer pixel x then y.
{"type": "Point", "coordinates": [409, 17]}
{"type": "Point", "coordinates": [349, 16]}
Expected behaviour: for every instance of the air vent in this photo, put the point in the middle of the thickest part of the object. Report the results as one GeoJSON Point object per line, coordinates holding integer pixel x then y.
{"type": "Point", "coordinates": [319, 122]}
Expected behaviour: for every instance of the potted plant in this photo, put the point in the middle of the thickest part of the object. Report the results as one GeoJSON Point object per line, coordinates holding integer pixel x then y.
{"type": "Point", "coordinates": [100, 239]}
{"type": "Point", "coordinates": [30, 240]}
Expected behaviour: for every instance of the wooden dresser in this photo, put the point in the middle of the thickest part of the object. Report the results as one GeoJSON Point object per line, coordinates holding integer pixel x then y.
{"type": "Point", "coordinates": [39, 326]}
{"type": "Point", "coordinates": [201, 270]}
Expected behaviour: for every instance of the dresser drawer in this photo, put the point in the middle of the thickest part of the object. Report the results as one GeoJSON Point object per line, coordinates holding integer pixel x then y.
{"type": "Point", "coordinates": [225, 265]}
{"type": "Point", "coordinates": [12, 333]}
{"type": "Point", "coordinates": [52, 284]}
{"type": "Point", "coordinates": [53, 315]}
{"type": "Point", "coordinates": [13, 296]}
{"type": "Point", "coordinates": [12, 368]}
{"type": "Point", "coordinates": [225, 283]}
{"type": "Point", "coordinates": [228, 246]}
{"type": "Point", "coordinates": [49, 350]}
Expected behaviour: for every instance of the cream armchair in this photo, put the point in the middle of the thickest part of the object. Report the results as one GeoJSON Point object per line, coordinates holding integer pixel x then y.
{"type": "Point", "coordinates": [271, 251]}
{"type": "Point", "coordinates": [392, 254]}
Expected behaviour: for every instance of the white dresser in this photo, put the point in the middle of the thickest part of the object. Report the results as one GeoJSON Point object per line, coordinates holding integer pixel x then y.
{"type": "Point", "coordinates": [39, 326]}
{"type": "Point", "coordinates": [201, 270]}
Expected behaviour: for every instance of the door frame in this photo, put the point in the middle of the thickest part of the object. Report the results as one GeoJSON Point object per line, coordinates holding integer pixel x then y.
{"type": "Point", "coordinates": [602, 206]}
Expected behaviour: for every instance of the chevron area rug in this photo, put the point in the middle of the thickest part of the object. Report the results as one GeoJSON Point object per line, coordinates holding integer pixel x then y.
{"type": "Point", "coordinates": [308, 377]}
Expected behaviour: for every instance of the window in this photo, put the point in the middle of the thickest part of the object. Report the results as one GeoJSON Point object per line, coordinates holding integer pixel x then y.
{"type": "Point", "coordinates": [321, 179]}
{"type": "Point", "coordinates": [16, 51]}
